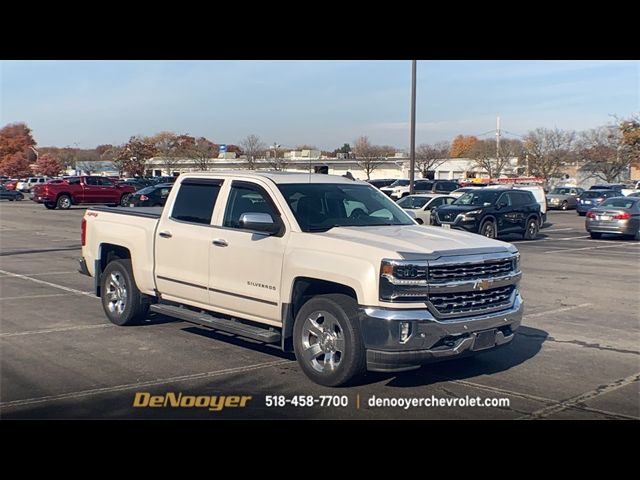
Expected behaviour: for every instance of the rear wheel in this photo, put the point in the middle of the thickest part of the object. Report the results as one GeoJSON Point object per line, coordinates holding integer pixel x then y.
{"type": "Point", "coordinates": [50, 206]}
{"type": "Point", "coordinates": [532, 229]}
{"type": "Point", "coordinates": [124, 200]}
{"type": "Point", "coordinates": [595, 235]}
{"type": "Point", "coordinates": [488, 229]}
{"type": "Point", "coordinates": [64, 202]}
{"type": "Point", "coordinates": [327, 340]}
{"type": "Point", "coordinates": [121, 300]}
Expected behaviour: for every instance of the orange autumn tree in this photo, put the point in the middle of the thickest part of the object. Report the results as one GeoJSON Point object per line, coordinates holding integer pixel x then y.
{"type": "Point", "coordinates": [462, 145]}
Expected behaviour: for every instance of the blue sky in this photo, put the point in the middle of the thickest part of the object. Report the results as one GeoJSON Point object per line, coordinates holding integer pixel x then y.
{"type": "Point", "coordinates": [324, 103]}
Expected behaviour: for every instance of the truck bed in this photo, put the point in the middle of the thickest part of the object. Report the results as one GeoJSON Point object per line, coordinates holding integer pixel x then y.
{"type": "Point", "coordinates": [147, 212]}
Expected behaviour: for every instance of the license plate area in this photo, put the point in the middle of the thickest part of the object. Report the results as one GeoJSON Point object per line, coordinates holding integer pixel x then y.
{"type": "Point", "coordinates": [603, 217]}
{"type": "Point", "coordinates": [484, 340]}
{"type": "Point", "coordinates": [446, 225]}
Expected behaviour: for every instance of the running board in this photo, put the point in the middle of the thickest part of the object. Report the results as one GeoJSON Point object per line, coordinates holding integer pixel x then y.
{"type": "Point", "coordinates": [229, 326]}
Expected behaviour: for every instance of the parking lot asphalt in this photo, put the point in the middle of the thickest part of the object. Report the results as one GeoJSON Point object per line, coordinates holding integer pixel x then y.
{"type": "Point", "coordinates": [577, 355]}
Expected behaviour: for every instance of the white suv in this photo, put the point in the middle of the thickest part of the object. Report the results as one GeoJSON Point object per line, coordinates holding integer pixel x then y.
{"type": "Point", "coordinates": [30, 182]}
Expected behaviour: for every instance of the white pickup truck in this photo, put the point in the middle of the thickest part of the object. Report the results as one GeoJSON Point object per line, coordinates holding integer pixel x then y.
{"type": "Point", "coordinates": [325, 266]}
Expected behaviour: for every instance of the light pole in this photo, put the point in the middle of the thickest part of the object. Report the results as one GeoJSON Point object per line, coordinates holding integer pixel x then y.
{"type": "Point", "coordinates": [275, 147]}
{"type": "Point", "coordinates": [412, 154]}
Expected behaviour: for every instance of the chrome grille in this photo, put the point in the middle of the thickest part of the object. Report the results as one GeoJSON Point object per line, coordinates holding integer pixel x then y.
{"type": "Point", "coordinates": [454, 304]}
{"type": "Point", "coordinates": [497, 268]}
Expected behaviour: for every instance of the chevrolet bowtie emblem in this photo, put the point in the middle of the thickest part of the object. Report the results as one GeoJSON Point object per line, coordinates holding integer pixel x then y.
{"type": "Point", "coordinates": [481, 285]}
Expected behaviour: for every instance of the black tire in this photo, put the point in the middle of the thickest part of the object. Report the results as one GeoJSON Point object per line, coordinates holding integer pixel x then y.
{"type": "Point", "coordinates": [488, 229]}
{"type": "Point", "coordinates": [636, 236]}
{"type": "Point", "coordinates": [339, 312]}
{"type": "Point", "coordinates": [11, 199]}
{"type": "Point", "coordinates": [50, 206]}
{"type": "Point", "coordinates": [124, 200]}
{"type": "Point", "coordinates": [64, 202]}
{"type": "Point", "coordinates": [531, 230]}
{"type": "Point", "coordinates": [595, 235]}
{"type": "Point", "coordinates": [581, 214]}
{"type": "Point", "coordinates": [419, 220]}
{"type": "Point", "coordinates": [121, 309]}
{"type": "Point", "coordinates": [564, 205]}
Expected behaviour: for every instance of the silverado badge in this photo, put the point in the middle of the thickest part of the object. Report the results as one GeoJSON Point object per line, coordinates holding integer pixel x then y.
{"type": "Point", "coordinates": [481, 284]}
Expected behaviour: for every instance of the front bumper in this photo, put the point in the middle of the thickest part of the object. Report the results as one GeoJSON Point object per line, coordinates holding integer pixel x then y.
{"type": "Point", "coordinates": [431, 339]}
{"type": "Point", "coordinates": [42, 199]}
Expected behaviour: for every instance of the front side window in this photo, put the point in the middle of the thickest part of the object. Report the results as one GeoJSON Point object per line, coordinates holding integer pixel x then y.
{"type": "Point", "coordinates": [412, 202]}
{"type": "Point", "coordinates": [320, 207]}
{"type": "Point", "coordinates": [195, 201]}
{"type": "Point", "coordinates": [246, 198]}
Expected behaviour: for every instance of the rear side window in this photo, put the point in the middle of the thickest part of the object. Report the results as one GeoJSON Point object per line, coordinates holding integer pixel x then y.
{"type": "Point", "coordinates": [195, 201]}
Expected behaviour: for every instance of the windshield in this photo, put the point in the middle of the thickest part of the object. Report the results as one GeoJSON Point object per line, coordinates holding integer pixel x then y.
{"type": "Point", "coordinates": [561, 191]}
{"type": "Point", "coordinates": [594, 194]}
{"type": "Point", "coordinates": [319, 207]}
{"type": "Point", "coordinates": [413, 202]}
{"type": "Point", "coordinates": [620, 202]}
{"type": "Point", "coordinates": [400, 183]}
{"type": "Point", "coordinates": [479, 198]}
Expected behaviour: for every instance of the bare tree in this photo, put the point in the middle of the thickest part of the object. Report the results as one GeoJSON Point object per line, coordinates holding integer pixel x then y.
{"type": "Point", "coordinates": [165, 145]}
{"type": "Point", "coordinates": [549, 151]}
{"type": "Point", "coordinates": [486, 157]}
{"type": "Point", "coordinates": [605, 154]}
{"type": "Point", "coordinates": [253, 148]}
{"type": "Point", "coordinates": [430, 157]}
{"type": "Point", "coordinates": [275, 162]}
{"type": "Point", "coordinates": [369, 157]}
{"type": "Point", "coordinates": [202, 151]}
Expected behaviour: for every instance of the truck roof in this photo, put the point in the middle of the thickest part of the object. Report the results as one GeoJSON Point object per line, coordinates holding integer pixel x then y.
{"type": "Point", "coordinates": [276, 177]}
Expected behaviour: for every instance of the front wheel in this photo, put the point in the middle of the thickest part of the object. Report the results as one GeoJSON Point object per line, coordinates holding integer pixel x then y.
{"type": "Point", "coordinates": [327, 340]}
{"type": "Point", "coordinates": [50, 206]}
{"type": "Point", "coordinates": [488, 229]}
{"type": "Point", "coordinates": [532, 229]}
{"type": "Point", "coordinates": [121, 300]}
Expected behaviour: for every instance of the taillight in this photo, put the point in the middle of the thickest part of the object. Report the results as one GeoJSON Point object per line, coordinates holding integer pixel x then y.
{"type": "Point", "coordinates": [599, 199]}
{"type": "Point", "coordinates": [144, 198]}
{"type": "Point", "coordinates": [83, 232]}
{"type": "Point", "coordinates": [622, 216]}
{"type": "Point", "coordinates": [590, 214]}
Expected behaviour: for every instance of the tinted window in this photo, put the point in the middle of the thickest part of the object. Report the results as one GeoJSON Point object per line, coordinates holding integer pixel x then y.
{"type": "Point", "coordinates": [422, 185]}
{"type": "Point", "coordinates": [624, 202]}
{"type": "Point", "coordinates": [105, 182]}
{"type": "Point", "coordinates": [195, 202]}
{"type": "Point", "coordinates": [594, 194]}
{"type": "Point", "coordinates": [246, 199]}
{"type": "Point", "coordinates": [413, 202]}
{"type": "Point", "coordinates": [446, 186]}
{"type": "Point", "coordinates": [93, 181]}
{"type": "Point", "coordinates": [400, 183]}
{"type": "Point", "coordinates": [478, 197]}
{"type": "Point", "coordinates": [320, 207]}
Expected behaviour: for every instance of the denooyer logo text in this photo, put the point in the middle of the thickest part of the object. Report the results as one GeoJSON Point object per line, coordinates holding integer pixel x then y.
{"type": "Point", "coordinates": [214, 403]}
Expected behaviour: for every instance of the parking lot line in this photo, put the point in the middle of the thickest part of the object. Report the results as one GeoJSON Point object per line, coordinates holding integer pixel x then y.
{"type": "Point", "coordinates": [558, 229]}
{"type": "Point", "coordinates": [42, 282]}
{"type": "Point", "coordinates": [592, 248]}
{"type": "Point", "coordinates": [53, 330]}
{"type": "Point", "coordinates": [150, 383]}
{"type": "Point", "coordinates": [35, 296]}
{"type": "Point", "coordinates": [580, 399]}
{"type": "Point", "coordinates": [557, 310]}
{"type": "Point", "coordinates": [50, 273]}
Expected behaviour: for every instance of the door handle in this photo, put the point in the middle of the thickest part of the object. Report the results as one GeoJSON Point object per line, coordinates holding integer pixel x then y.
{"type": "Point", "coordinates": [220, 242]}
{"type": "Point", "coordinates": [165, 234]}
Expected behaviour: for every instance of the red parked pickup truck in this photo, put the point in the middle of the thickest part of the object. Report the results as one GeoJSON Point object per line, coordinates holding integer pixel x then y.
{"type": "Point", "coordinates": [81, 190]}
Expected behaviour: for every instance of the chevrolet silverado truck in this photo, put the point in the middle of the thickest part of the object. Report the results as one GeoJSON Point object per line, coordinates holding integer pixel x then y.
{"type": "Point", "coordinates": [81, 190]}
{"type": "Point", "coordinates": [326, 267]}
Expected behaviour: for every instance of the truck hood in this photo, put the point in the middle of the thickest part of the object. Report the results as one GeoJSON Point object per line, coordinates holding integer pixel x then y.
{"type": "Point", "coordinates": [413, 239]}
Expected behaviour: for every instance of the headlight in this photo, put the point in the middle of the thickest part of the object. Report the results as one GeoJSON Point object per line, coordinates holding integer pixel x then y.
{"type": "Point", "coordinates": [516, 263]}
{"type": "Point", "coordinates": [473, 212]}
{"type": "Point", "coordinates": [403, 281]}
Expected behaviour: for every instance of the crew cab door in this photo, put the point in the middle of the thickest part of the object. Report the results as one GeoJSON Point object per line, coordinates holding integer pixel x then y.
{"type": "Point", "coordinates": [509, 220]}
{"type": "Point", "coordinates": [183, 240]}
{"type": "Point", "coordinates": [246, 265]}
{"type": "Point", "coordinates": [91, 190]}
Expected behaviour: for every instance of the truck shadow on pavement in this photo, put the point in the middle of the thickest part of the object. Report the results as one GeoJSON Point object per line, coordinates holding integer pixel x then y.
{"type": "Point", "coordinates": [527, 343]}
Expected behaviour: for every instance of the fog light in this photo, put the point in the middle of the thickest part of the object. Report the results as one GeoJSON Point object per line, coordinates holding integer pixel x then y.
{"type": "Point", "coordinates": [405, 331]}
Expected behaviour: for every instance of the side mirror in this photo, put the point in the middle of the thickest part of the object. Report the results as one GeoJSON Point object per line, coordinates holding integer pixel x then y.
{"type": "Point", "coordinates": [500, 205]}
{"type": "Point", "coordinates": [260, 222]}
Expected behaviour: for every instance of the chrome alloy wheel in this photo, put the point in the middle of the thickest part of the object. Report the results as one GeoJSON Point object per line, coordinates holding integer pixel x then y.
{"type": "Point", "coordinates": [322, 342]}
{"type": "Point", "coordinates": [116, 293]}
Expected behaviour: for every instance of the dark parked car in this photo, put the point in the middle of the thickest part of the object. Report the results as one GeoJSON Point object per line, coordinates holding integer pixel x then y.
{"type": "Point", "coordinates": [492, 212]}
{"type": "Point", "coordinates": [609, 186]}
{"type": "Point", "coordinates": [11, 195]}
{"type": "Point", "coordinates": [617, 215]}
{"type": "Point", "coordinates": [592, 198]}
{"type": "Point", "coordinates": [382, 182]}
{"type": "Point", "coordinates": [154, 196]}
